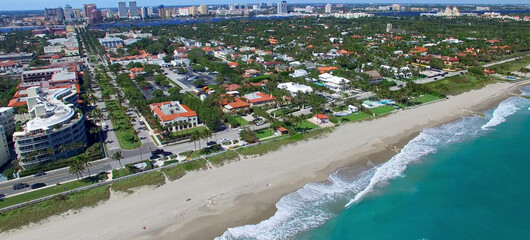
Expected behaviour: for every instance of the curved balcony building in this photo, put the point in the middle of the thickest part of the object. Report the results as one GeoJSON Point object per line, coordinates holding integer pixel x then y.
{"type": "Point", "coordinates": [56, 129]}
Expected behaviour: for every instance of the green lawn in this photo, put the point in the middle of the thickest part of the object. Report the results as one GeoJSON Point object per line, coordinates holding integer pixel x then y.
{"type": "Point", "coordinates": [459, 84]}
{"type": "Point", "coordinates": [47, 192]}
{"type": "Point", "coordinates": [125, 144]}
{"type": "Point", "coordinates": [189, 130]}
{"type": "Point", "coordinates": [154, 178]}
{"type": "Point", "coordinates": [306, 126]}
{"type": "Point", "coordinates": [356, 116]}
{"type": "Point", "coordinates": [264, 133]}
{"type": "Point", "coordinates": [382, 110]}
{"type": "Point", "coordinates": [512, 66]}
{"type": "Point", "coordinates": [424, 99]}
{"type": "Point", "coordinates": [241, 121]}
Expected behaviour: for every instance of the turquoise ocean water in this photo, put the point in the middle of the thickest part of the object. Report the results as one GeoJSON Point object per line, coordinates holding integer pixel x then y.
{"type": "Point", "coordinates": [467, 179]}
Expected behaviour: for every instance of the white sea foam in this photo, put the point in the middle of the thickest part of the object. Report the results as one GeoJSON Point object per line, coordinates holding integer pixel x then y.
{"type": "Point", "coordinates": [311, 206]}
{"type": "Point", "coordinates": [504, 110]}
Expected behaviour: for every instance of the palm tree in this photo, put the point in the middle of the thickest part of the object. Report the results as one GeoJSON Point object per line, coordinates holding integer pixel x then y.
{"type": "Point", "coordinates": [77, 167]}
{"type": "Point", "coordinates": [118, 157]}
{"type": "Point", "coordinates": [207, 134]}
{"type": "Point", "coordinates": [194, 137]}
{"type": "Point", "coordinates": [85, 160]}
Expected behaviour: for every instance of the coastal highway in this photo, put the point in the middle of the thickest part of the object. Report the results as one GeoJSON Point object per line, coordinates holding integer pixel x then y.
{"type": "Point", "coordinates": [107, 164]}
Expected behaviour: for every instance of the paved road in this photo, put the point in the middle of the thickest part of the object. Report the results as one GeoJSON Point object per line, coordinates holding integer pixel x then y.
{"type": "Point", "coordinates": [501, 62]}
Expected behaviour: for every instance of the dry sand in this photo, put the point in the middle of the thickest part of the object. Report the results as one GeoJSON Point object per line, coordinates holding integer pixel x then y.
{"type": "Point", "coordinates": [237, 193]}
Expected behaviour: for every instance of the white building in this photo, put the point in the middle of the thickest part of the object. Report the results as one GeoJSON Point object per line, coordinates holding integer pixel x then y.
{"type": "Point", "coordinates": [295, 88]}
{"type": "Point", "coordinates": [173, 112]}
{"type": "Point", "coordinates": [54, 125]}
{"type": "Point", "coordinates": [122, 9]}
{"type": "Point", "coordinates": [111, 42]}
{"type": "Point", "coordinates": [282, 8]}
{"type": "Point", "coordinates": [334, 83]}
{"type": "Point", "coordinates": [5, 154]}
{"type": "Point", "coordinates": [328, 7]}
{"type": "Point", "coordinates": [7, 119]}
{"type": "Point", "coordinates": [298, 73]}
{"type": "Point", "coordinates": [133, 10]}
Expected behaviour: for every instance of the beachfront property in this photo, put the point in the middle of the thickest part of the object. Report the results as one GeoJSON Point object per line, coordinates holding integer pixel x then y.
{"type": "Point", "coordinates": [335, 83]}
{"type": "Point", "coordinates": [259, 99]}
{"type": "Point", "coordinates": [295, 88]}
{"type": "Point", "coordinates": [173, 112]}
{"type": "Point", "coordinates": [55, 126]}
{"type": "Point", "coordinates": [375, 77]}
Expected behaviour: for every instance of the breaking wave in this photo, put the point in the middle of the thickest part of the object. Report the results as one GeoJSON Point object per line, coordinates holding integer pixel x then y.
{"type": "Point", "coordinates": [313, 205]}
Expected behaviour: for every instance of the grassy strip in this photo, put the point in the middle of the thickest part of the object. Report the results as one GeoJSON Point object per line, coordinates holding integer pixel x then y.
{"type": "Point", "coordinates": [512, 66]}
{"type": "Point", "coordinates": [49, 191]}
{"type": "Point", "coordinates": [34, 213]}
{"type": "Point", "coordinates": [425, 99]}
{"type": "Point", "coordinates": [221, 159]}
{"type": "Point", "coordinates": [173, 173]}
{"type": "Point", "coordinates": [154, 178]}
{"type": "Point", "coordinates": [271, 146]}
{"type": "Point", "coordinates": [382, 110]}
{"type": "Point", "coordinates": [459, 84]}
{"type": "Point", "coordinates": [264, 133]}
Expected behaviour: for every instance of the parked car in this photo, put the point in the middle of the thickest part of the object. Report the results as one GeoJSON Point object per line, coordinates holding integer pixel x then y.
{"type": "Point", "coordinates": [2, 195]}
{"type": "Point", "coordinates": [41, 173]}
{"type": "Point", "coordinates": [211, 143]}
{"type": "Point", "coordinates": [38, 185]}
{"type": "Point", "coordinates": [20, 186]}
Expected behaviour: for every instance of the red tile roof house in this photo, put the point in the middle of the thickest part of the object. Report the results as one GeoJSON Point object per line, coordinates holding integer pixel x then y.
{"type": "Point", "coordinates": [231, 87]}
{"type": "Point", "coordinates": [233, 104]}
{"type": "Point", "coordinates": [321, 118]}
{"type": "Point", "coordinates": [259, 99]}
{"type": "Point", "coordinates": [174, 112]}
{"type": "Point", "coordinates": [281, 130]}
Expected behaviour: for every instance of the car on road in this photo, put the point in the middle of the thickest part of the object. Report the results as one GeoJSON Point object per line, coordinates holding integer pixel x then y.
{"type": "Point", "coordinates": [38, 185]}
{"type": "Point", "coordinates": [20, 186]}
{"type": "Point", "coordinates": [41, 173]}
{"type": "Point", "coordinates": [211, 143]}
{"type": "Point", "coordinates": [2, 195]}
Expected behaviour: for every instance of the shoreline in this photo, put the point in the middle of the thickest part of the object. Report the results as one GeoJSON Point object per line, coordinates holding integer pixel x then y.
{"type": "Point", "coordinates": [227, 191]}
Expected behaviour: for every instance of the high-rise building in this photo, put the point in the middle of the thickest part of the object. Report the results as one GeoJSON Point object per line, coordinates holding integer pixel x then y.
{"type": "Point", "coordinates": [69, 14]}
{"type": "Point", "coordinates": [203, 9]}
{"type": "Point", "coordinates": [150, 11]}
{"type": "Point", "coordinates": [122, 9]}
{"type": "Point", "coordinates": [93, 14]}
{"type": "Point", "coordinates": [133, 10]}
{"type": "Point", "coordinates": [5, 154]}
{"type": "Point", "coordinates": [84, 13]}
{"type": "Point", "coordinates": [327, 9]}
{"type": "Point", "coordinates": [282, 8]}
{"type": "Point", "coordinates": [143, 10]}
{"type": "Point", "coordinates": [54, 14]}
{"type": "Point", "coordinates": [78, 15]}
{"type": "Point", "coordinates": [193, 10]}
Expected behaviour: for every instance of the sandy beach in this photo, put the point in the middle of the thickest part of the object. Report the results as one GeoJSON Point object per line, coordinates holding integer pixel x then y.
{"type": "Point", "coordinates": [246, 191]}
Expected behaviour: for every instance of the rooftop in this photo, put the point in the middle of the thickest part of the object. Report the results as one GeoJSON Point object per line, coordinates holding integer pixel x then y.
{"type": "Point", "coordinates": [257, 97]}
{"type": "Point", "coordinates": [171, 110]}
{"type": "Point", "coordinates": [57, 112]}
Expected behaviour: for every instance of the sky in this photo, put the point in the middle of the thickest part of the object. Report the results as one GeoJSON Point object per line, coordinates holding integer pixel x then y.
{"type": "Point", "coordinates": [41, 4]}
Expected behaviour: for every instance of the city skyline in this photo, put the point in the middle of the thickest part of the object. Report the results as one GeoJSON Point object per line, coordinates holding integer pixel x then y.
{"type": "Point", "coordinates": [38, 4]}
